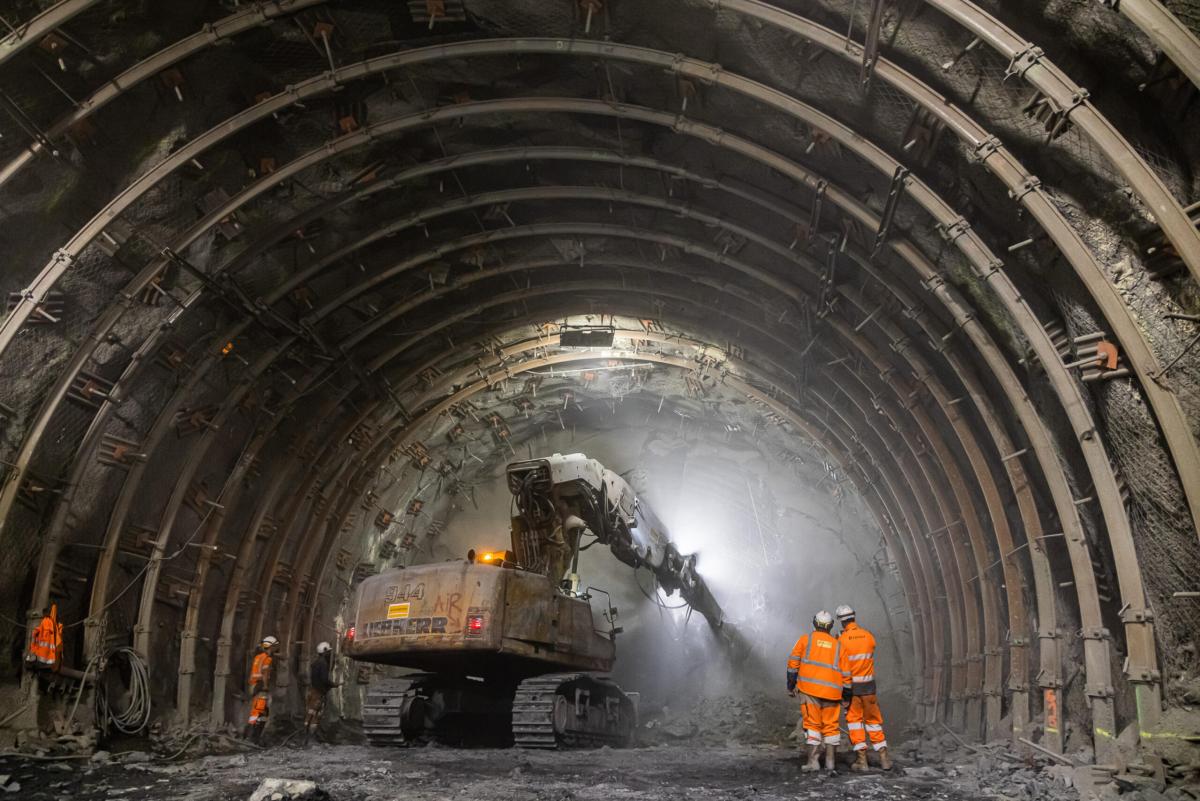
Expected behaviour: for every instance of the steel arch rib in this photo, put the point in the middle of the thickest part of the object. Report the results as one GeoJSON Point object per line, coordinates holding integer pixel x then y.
{"type": "Point", "coordinates": [1027, 191]}
{"type": "Point", "coordinates": [35, 29]}
{"type": "Point", "coordinates": [1041, 73]}
{"type": "Point", "coordinates": [1176, 431]}
{"type": "Point", "coordinates": [213, 33]}
{"type": "Point", "coordinates": [1085, 449]}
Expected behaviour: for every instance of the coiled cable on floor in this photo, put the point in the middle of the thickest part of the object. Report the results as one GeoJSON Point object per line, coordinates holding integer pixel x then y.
{"type": "Point", "coordinates": [136, 714]}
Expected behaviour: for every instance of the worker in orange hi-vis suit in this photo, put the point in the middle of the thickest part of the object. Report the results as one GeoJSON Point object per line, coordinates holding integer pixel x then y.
{"type": "Point", "coordinates": [863, 718]}
{"type": "Point", "coordinates": [260, 689]}
{"type": "Point", "coordinates": [814, 670]}
{"type": "Point", "coordinates": [45, 643]}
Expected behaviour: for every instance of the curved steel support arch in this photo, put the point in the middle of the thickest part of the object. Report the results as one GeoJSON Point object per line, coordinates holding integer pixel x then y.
{"type": "Point", "coordinates": [213, 33]}
{"type": "Point", "coordinates": [1030, 63]}
{"type": "Point", "coordinates": [1027, 192]}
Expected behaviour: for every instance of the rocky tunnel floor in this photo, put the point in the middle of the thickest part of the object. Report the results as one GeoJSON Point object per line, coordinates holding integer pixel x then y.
{"type": "Point", "coordinates": [678, 772]}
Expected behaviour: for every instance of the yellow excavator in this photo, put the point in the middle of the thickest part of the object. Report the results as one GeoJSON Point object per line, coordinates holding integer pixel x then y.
{"type": "Point", "coordinates": [505, 641]}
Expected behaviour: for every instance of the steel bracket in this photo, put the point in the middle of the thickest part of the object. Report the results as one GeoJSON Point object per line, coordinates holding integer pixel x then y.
{"type": "Point", "coordinates": [934, 282]}
{"type": "Point", "coordinates": [1018, 642]}
{"type": "Point", "coordinates": [1031, 183]}
{"type": "Point", "coordinates": [953, 230]}
{"type": "Point", "coordinates": [994, 266]}
{"type": "Point", "coordinates": [1022, 61]}
{"type": "Point", "coordinates": [1134, 615]}
{"type": "Point", "coordinates": [993, 650]}
{"type": "Point", "coordinates": [1143, 675]}
{"type": "Point", "coordinates": [1098, 691]}
{"type": "Point", "coordinates": [985, 149]}
{"type": "Point", "coordinates": [1095, 634]}
{"type": "Point", "coordinates": [1018, 687]}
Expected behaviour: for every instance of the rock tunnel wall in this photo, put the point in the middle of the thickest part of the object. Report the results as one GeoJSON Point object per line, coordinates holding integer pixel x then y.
{"type": "Point", "coordinates": [281, 250]}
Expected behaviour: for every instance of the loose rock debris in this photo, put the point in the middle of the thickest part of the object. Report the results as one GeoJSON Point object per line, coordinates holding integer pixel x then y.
{"type": "Point", "coordinates": [930, 768]}
{"type": "Point", "coordinates": [675, 772]}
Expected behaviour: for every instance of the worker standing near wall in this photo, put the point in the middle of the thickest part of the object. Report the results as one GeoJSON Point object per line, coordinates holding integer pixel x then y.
{"type": "Point", "coordinates": [814, 670]}
{"type": "Point", "coordinates": [261, 673]}
{"type": "Point", "coordinates": [320, 682]}
{"type": "Point", "coordinates": [45, 643]}
{"type": "Point", "coordinates": [863, 719]}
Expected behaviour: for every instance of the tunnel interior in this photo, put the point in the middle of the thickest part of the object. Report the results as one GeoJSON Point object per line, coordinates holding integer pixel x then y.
{"type": "Point", "coordinates": [894, 312]}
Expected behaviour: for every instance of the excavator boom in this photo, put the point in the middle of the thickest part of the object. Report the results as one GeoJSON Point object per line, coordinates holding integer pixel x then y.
{"type": "Point", "coordinates": [613, 513]}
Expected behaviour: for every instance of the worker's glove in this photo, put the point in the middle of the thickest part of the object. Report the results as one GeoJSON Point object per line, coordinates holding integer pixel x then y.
{"type": "Point", "coordinates": [792, 676]}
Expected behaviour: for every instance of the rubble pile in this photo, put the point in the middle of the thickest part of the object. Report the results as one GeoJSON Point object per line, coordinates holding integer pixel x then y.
{"type": "Point", "coordinates": [1024, 773]}
{"type": "Point", "coordinates": [721, 719]}
{"type": "Point", "coordinates": [985, 769]}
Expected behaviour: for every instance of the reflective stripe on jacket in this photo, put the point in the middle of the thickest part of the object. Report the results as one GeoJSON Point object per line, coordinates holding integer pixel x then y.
{"type": "Point", "coordinates": [858, 658]}
{"type": "Point", "coordinates": [816, 657]}
{"type": "Point", "coordinates": [260, 671]}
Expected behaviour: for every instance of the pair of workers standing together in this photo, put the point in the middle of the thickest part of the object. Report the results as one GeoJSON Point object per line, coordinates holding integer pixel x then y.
{"type": "Point", "coordinates": [831, 674]}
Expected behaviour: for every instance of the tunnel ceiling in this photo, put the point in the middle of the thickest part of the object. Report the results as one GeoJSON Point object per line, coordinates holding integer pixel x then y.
{"type": "Point", "coordinates": [258, 255]}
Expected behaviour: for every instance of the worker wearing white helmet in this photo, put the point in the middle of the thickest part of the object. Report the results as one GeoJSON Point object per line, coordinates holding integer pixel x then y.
{"type": "Point", "coordinates": [864, 721]}
{"type": "Point", "coordinates": [261, 673]}
{"type": "Point", "coordinates": [814, 670]}
{"type": "Point", "coordinates": [320, 682]}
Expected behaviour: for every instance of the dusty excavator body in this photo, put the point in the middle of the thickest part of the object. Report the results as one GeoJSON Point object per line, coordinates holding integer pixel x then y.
{"type": "Point", "coordinates": [481, 619]}
{"type": "Point", "coordinates": [505, 657]}
{"type": "Point", "coordinates": [508, 649]}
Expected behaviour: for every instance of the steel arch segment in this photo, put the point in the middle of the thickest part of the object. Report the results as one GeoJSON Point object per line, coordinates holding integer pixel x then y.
{"type": "Point", "coordinates": [35, 29]}
{"type": "Point", "coordinates": [1026, 191]}
{"type": "Point", "coordinates": [213, 33]}
{"type": "Point", "coordinates": [1049, 79]}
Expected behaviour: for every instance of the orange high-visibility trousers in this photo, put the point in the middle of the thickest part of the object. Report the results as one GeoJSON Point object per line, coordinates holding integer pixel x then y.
{"type": "Point", "coordinates": [258, 709]}
{"type": "Point", "coordinates": [864, 721]}
{"type": "Point", "coordinates": [820, 719]}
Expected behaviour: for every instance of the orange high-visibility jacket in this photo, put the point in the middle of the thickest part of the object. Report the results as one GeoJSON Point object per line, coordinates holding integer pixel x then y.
{"type": "Point", "coordinates": [816, 658]}
{"type": "Point", "coordinates": [858, 658]}
{"type": "Point", "coordinates": [45, 645]}
{"type": "Point", "coordinates": [260, 671]}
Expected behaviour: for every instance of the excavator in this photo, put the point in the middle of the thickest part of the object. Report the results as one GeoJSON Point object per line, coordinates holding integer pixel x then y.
{"type": "Point", "coordinates": [505, 642]}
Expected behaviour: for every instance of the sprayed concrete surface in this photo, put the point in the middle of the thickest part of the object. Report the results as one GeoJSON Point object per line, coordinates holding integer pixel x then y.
{"type": "Point", "coordinates": [361, 773]}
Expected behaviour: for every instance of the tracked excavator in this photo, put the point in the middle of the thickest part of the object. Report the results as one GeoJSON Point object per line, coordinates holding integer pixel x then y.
{"type": "Point", "coordinates": [505, 642]}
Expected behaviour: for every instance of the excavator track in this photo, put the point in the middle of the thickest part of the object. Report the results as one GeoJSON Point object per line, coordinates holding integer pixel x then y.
{"type": "Point", "coordinates": [393, 709]}
{"type": "Point", "coordinates": [430, 707]}
{"type": "Point", "coordinates": [572, 710]}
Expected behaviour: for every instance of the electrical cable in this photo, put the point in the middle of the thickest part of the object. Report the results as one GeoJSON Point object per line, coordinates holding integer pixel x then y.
{"type": "Point", "coordinates": [136, 715]}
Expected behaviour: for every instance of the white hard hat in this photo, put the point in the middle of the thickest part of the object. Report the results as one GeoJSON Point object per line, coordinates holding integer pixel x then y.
{"type": "Point", "coordinates": [324, 648]}
{"type": "Point", "coordinates": [822, 620]}
{"type": "Point", "coordinates": [269, 640]}
{"type": "Point", "coordinates": [844, 613]}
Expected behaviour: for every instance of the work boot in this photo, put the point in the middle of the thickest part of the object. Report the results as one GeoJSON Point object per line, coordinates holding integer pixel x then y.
{"type": "Point", "coordinates": [860, 762]}
{"type": "Point", "coordinates": [811, 766]}
{"type": "Point", "coordinates": [885, 759]}
{"type": "Point", "coordinates": [830, 756]}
